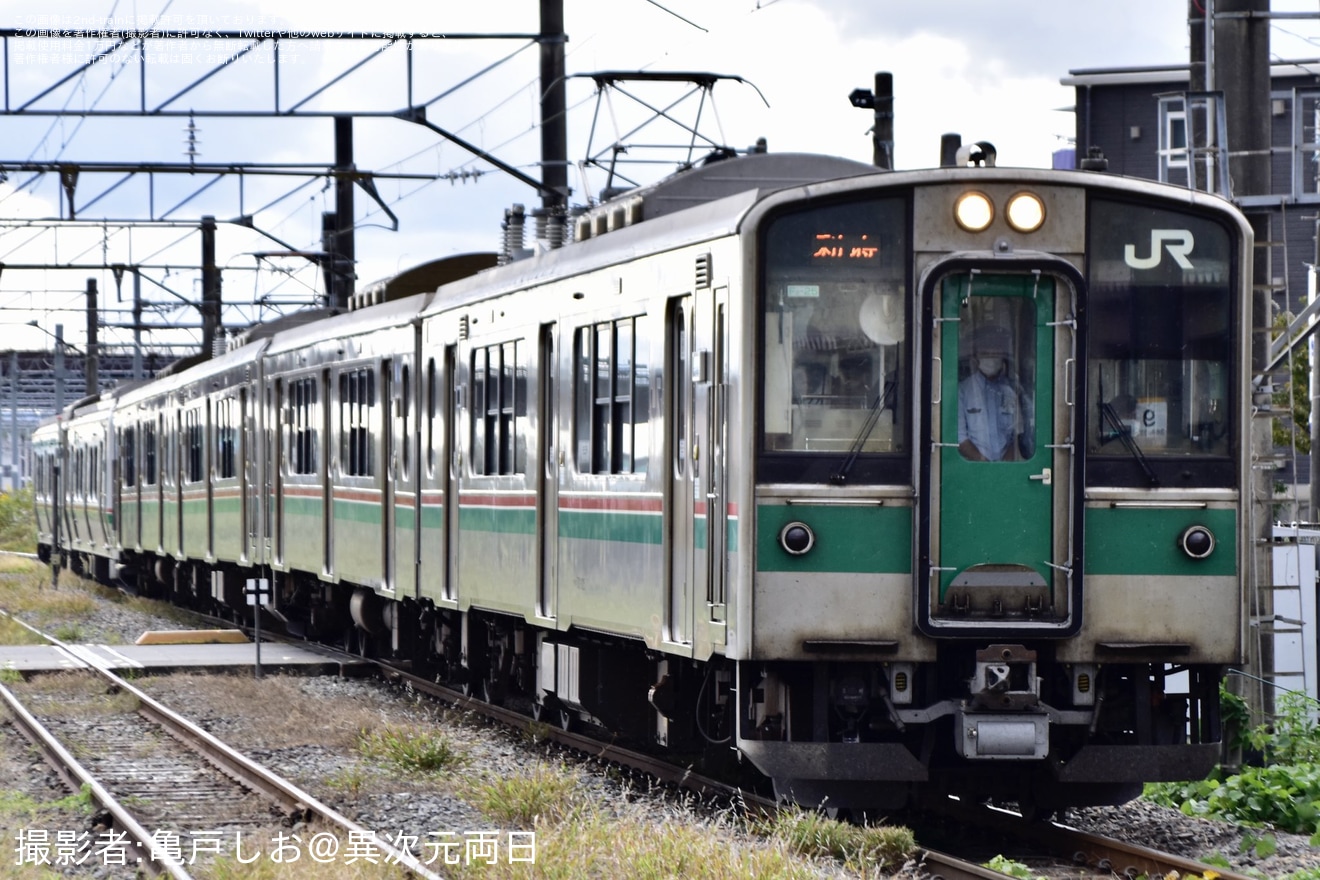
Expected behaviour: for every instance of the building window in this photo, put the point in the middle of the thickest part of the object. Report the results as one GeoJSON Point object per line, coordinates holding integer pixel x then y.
{"type": "Point", "coordinates": [357, 401]}
{"type": "Point", "coordinates": [613, 398]}
{"type": "Point", "coordinates": [1173, 140]}
{"type": "Point", "coordinates": [499, 409]}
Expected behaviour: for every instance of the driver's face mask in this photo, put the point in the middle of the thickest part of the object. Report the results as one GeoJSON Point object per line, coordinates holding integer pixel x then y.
{"type": "Point", "coordinates": [990, 366]}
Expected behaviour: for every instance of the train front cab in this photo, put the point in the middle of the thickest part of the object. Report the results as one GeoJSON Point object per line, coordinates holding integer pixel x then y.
{"type": "Point", "coordinates": [1050, 614]}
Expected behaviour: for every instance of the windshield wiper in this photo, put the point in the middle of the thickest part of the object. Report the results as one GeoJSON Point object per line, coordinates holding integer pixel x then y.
{"type": "Point", "coordinates": [882, 402]}
{"type": "Point", "coordinates": [1123, 433]}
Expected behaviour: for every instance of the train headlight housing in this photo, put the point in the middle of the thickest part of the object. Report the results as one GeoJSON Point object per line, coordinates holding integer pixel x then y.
{"type": "Point", "coordinates": [797, 538]}
{"type": "Point", "coordinates": [1025, 212]}
{"type": "Point", "coordinates": [973, 211]}
{"type": "Point", "coordinates": [1197, 542]}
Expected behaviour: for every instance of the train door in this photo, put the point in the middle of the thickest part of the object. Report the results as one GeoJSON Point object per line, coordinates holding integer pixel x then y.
{"type": "Point", "coordinates": [681, 470]}
{"type": "Point", "coordinates": [247, 476]}
{"type": "Point", "coordinates": [131, 448]}
{"type": "Point", "coordinates": [325, 468]}
{"type": "Point", "coordinates": [177, 445]}
{"type": "Point", "coordinates": [401, 553]}
{"type": "Point", "coordinates": [547, 496]}
{"type": "Point", "coordinates": [450, 470]}
{"type": "Point", "coordinates": [208, 473]}
{"type": "Point", "coordinates": [158, 440]}
{"type": "Point", "coordinates": [276, 422]}
{"type": "Point", "coordinates": [389, 470]}
{"type": "Point", "coordinates": [710, 499]}
{"type": "Point", "coordinates": [997, 548]}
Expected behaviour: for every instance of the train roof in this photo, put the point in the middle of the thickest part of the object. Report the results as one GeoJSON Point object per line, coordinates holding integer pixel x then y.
{"type": "Point", "coordinates": [694, 205]}
{"type": "Point", "coordinates": [378, 317]}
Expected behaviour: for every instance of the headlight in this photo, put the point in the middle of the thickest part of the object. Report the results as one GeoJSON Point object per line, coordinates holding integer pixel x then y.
{"type": "Point", "coordinates": [1025, 212]}
{"type": "Point", "coordinates": [973, 211]}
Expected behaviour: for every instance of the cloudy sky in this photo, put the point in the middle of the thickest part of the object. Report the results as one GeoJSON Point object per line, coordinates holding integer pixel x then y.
{"type": "Point", "coordinates": [989, 71]}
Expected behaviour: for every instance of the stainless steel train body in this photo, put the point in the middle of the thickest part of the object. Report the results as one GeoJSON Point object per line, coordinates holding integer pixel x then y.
{"type": "Point", "coordinates": [709, 477]}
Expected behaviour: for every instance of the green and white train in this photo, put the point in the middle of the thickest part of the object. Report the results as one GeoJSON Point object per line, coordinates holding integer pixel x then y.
{"type": "Point", "coordinates": [892, 484]}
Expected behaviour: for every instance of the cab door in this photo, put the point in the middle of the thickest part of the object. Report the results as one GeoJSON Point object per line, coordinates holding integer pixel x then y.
{"type": "Point", "coordinates": [997, 546]}
{"type": "Point", "coordinates": [681, 470]}
{"type": "Point", "coordinates": [709, 378]}
{"type": "Point", "coordinates": [547, 495]}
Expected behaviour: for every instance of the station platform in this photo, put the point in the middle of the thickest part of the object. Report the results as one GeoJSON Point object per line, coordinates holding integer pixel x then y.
{"type": "Point", "coordinates": [174, 657]}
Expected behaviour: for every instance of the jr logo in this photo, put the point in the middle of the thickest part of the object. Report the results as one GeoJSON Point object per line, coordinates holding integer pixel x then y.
{"type": "Point", "coordinates": [1178, 242]}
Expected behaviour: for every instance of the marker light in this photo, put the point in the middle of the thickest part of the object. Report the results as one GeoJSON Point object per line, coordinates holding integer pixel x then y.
{"type": "Point", "coordinates": [973, 211]}
{"type": "Point", "coordinates": [1197, 542]}
{"type": "Point", "coordinates": [797, 538]}
{"type": "Point", "coordinates": [1025, 212]}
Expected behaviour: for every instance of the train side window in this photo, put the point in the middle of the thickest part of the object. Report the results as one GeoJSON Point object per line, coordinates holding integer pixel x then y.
{"type": "Point", "coordinates": [357, 401]}
{"type": "Point", "coordinates": [148, 446]}
{"type": "Point", "coordinates": [613, 398]}
{"type": "Point", "coordinates": [194, 439]}
{"type": "Point", "coordinates": [499, 409]}
{"type": "Point", "coordinates": [302, 425]}
{"type": "Point", "coordinates": [128, 452]}
{"type": "Point", "coordinates": [432, 395]}
{"type": "Point", "coordinates": [678, 383]}
{"type": "Point", "coordinates": [405, 416]}
{"type": "Point", "coordinates": [226, 435]}
{"type": "Point", "coordinates": [480, 427]}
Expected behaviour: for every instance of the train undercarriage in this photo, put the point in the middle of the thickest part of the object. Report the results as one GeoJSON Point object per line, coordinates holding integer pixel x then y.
{"type": "Point", "coordinates": [1003, 722]}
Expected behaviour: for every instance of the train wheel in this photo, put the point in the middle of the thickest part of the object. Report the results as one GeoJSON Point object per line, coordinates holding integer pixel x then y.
{"type": "Point", "coordinates": [491, 692]}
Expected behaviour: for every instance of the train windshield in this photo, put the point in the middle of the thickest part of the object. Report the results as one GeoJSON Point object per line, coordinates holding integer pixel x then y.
{"type": "Point", "coordinates": [1160, 354]}
{"type": "Point", "coordinates": [834, 335]}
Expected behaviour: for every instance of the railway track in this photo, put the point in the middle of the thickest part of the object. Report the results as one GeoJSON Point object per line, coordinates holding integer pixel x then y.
{"type": "Point", "coordinates": [196, 790]}
{"type": "Point", "coordinates": [1070, 848]}
{"type": "Point", "coordinates": [156, 778]}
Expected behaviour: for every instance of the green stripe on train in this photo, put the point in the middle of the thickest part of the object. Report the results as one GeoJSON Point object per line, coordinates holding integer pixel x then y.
{"type": "Point", "coordinates": [608, 525]}
{"type": "Point", "coordinates": [1145, 541]}
{"type": "Point", "coordinates": [586, 525]}
{"type": "Point", "coordinates": [868, 540]}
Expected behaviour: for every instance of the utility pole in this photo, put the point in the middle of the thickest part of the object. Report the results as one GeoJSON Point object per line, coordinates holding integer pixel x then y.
{"type": "Point", "coordinates": [1240, 66]}
{"type": "Point", "coordinates": [210, 287]}
{"type": "Point", "coordinates": [554, 109]}
{"type": "Point", "coordinates": [92, 360]}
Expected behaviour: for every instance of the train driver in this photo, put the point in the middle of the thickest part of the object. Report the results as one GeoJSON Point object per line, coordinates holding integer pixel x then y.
{"type": "Point", "coordinates": [995, 416]}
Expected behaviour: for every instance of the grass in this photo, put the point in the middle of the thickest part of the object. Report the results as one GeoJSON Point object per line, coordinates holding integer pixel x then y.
{"type": "Point", "coordinates": [410, 748]}
{"type": "Point", "coordinates": [547, 793]}
{"type": "Point", "coordinates": [861, 847]}
{"type": "Point", "coordinates": [74, 694]}
{"type": "Point", "coordinates": [18, 526]}
{"type": "Point", "coordinates": [574, 834]}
